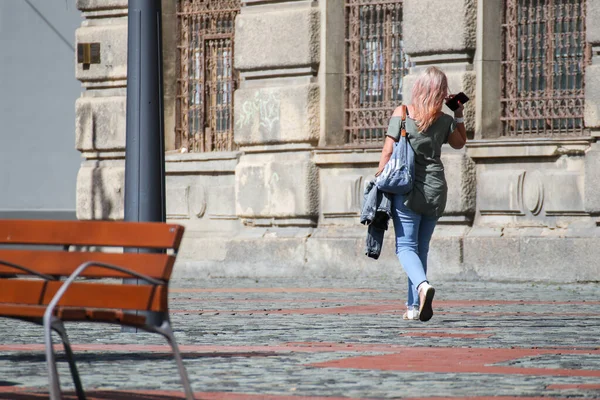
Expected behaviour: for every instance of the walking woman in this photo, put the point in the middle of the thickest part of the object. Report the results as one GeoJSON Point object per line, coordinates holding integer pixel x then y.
{"type": "Point", "coordinates": [416, 213]}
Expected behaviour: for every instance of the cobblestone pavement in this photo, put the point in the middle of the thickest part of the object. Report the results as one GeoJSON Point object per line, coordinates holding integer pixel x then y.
{"type": "Point", "coordinates": [334, 339]}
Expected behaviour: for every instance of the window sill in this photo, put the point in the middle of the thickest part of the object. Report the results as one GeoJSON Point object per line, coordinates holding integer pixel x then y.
{"type": "Point", "coordinates": [224, 161]}
{"type": "Point", "coordinates": [542, 147]}
{"type": "Point", "coordinates": [346, 156]}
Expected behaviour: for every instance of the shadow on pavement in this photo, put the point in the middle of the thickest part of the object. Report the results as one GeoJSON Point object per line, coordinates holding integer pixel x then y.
{"type": "Point", "coordinates": [92, 356]}
{"type": "Point", "coordinates": [94, 395]}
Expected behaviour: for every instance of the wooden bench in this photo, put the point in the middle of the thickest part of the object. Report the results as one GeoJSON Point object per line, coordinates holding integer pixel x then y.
{"type": "Point", "coordinates": [41, 280]}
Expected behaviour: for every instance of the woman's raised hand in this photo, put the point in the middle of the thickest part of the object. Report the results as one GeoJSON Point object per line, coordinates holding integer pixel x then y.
{"type": "Point", "coordinates": [459, 111]}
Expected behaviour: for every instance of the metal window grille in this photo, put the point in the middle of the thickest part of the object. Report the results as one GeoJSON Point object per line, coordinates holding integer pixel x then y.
{"type": "Point", "coordinates": [206, 77]}
{"type": "Point", "coordinates": [375, 64]}
{"type": "Point", "coordinates": [543, 68]}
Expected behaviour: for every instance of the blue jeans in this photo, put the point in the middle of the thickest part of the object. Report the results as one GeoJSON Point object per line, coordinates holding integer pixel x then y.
{"type": "Point", "coordinates": [413, 234]}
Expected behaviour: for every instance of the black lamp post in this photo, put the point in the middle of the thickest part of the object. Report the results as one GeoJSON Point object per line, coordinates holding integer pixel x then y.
{"type": "Point", "coordinates": [144, 153]}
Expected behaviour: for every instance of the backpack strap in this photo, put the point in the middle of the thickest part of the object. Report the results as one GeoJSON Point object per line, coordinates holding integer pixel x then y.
{"type": "Point", "coordinates": [403, 124]}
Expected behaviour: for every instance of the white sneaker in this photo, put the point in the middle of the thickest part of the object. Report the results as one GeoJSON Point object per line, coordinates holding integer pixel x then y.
{"type": "Point", "coordinates": [411, 313]}
{"type": "Point", "coordinates": [426, 293]}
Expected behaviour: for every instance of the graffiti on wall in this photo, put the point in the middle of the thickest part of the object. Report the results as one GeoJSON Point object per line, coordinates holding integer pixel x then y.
{"type": "Point", "coordinates": [264, 107]}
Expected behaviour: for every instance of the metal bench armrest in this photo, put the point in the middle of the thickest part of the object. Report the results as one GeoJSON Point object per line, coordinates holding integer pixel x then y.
{"type": "Point", "coordinates": [29, 270]}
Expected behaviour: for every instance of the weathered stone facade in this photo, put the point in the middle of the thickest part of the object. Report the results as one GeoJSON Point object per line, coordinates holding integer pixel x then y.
{"type": "Point", "coordinates": [287, 201]}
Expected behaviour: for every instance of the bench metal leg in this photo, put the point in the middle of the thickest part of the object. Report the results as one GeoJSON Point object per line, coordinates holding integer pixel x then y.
{"type": "Point", "coordinates": [167, 332]}
{"type": "Point", "coordinates": [59, 328]}
{"type": "Point", "coordinates": [53, 377]}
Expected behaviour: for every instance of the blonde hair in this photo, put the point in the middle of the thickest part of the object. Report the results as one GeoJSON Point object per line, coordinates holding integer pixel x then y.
{"type": "Point", "coordinates": [428, 95]}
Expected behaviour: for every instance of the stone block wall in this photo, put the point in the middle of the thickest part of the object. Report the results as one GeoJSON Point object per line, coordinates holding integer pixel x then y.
{"type": "Point", "coordinates": [200, 187]}
{"type": "Point", "coordinates": [535, 202]}
{"type": "Point", "coordinates": [100, 111]}
{"type": "Point", "coordinates": [592, 73]}
{"type": "Point", "coordinates": [277, 109]}
{"type": "Point", "coordinates": [288, 200]}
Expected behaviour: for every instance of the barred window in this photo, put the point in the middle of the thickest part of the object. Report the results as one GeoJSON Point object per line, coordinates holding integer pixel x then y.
{"type": "Point", "coordinates": [375, 64]}
{"type": "Point", "coordinates": [206, 77]}
{"type": "Point", "coordinates": [543, 68]}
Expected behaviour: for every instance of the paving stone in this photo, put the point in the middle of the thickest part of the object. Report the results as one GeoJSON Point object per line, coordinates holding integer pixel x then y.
{"type": "Point", "coordinates": [334, 339]}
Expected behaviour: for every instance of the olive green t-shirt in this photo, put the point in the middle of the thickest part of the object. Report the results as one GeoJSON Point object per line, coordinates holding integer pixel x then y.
{"type": "Point", "coordinates": [429, 193]}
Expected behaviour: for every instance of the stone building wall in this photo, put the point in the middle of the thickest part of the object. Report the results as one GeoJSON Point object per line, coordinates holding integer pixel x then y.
{"type": "Point", "coordinates": [287, 200]}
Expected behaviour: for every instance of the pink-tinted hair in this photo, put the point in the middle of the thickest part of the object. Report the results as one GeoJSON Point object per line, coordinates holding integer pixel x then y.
{"type": "Point", "coordinates": [428, 95]}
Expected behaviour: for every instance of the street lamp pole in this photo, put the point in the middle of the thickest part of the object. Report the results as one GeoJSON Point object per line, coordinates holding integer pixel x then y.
{"type": "Point", "coordinates": [144, 151]}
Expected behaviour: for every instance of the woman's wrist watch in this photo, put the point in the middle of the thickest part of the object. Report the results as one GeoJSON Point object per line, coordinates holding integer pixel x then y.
{"type": "Point", "coordinates": [459, 120]}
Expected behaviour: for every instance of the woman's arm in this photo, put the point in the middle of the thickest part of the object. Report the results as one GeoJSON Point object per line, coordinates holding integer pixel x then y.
{"type": "Point", "coordinates": [388, 144]}
{"type": "Point", "coordinates": [386, 153]}
{"type": "Point", "coordinates": [458, 138]}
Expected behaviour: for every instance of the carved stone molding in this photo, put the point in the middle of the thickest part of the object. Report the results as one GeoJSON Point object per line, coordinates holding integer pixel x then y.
{"type": "Point", "coordinates": [186, 201]}
{"type": "Point", "coordinates": [500, 192]}
{"type": "Point", "coordinates": [532, 191]}
{"type": "Point", "coordinates": [536, 193]}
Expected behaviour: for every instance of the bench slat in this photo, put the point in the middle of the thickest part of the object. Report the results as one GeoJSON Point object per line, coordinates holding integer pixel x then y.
{"type": "Point", "coordinates": [91, 233]}
{"type": "Point", "coordinates": [37, 312]}
{"type": "Point", "coordinates": [72, 314]}
{"type": "Point", "coordinates": [155, 265]}
{"type": "Point", "coordinates": [85, 294]}
{"type": "Point", "coordinates": [115, 317]}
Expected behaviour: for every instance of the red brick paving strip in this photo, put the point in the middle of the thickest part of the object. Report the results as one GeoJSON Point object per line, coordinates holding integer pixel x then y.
{"type": "Point", "coordinates": [399, 358]}
{"type": "Point", "coordinates": [271, 290]}
{"type": "Point", "coordinates": [21, 394]}
{"type": "Point", "coordinates": [459, 360]}
{"type": "Point", "coordinates": [489, 355]}
{"type": "Point", "coordinates": [438, 303]}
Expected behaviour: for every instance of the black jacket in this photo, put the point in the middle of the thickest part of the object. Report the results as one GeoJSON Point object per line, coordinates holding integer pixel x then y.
{"type": "Point", "coordinates": [376, 213]}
